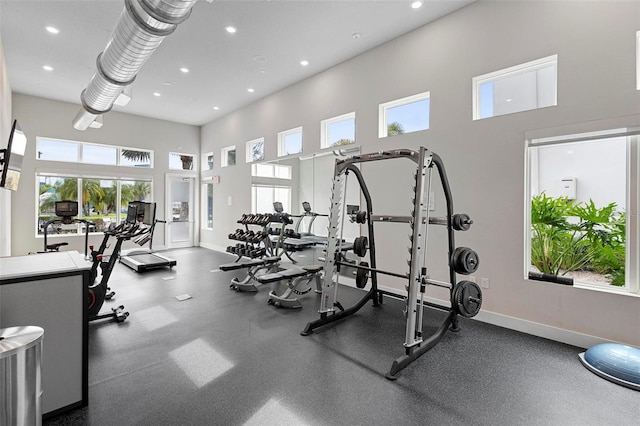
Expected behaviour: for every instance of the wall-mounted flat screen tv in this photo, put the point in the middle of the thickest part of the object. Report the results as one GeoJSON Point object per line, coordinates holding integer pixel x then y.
{"type": "Point", "coordinates": [12, 157]}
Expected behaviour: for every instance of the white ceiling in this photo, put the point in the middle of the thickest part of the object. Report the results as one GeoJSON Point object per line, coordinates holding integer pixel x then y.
{"type": "Point", "coordinates": [222, 65]}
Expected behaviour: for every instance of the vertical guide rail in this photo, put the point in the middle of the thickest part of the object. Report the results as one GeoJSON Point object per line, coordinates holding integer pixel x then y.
{"type": "Point", "coordinates": [417, 270]}
{"type": "Point", "coordinates": [330, 281]}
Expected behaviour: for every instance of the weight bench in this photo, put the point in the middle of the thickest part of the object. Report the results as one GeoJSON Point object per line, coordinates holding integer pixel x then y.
{"type": "Point", "coordinates": [296, 280]}
{"type": "Point", "coordinates": [253, 266]}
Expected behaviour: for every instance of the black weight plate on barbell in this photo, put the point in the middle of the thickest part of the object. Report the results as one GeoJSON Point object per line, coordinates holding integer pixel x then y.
{"type": "Point", "coordinates": [465, 260]}
{"type": "Point", "coordinates": [467, 298]}
{"type": "Point", "coordinates": [362, 276]}
{"type": "Point", "coordinates": [461, 222]}
{"type": "Point", "coordinates": [360, 246]}
{"type": "Point", "coordinates": [361, 217]}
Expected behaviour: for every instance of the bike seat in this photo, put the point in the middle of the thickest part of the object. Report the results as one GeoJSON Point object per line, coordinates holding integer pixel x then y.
{"type": "Point", "coordinates": [56, 246]}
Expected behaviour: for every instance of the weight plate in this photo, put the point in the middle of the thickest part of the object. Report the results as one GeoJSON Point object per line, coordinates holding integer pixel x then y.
{"type": "Point", "coordinates": [461, 222]}
{"type": "Point", "coordinates": [467, 298]}
{"type": "Point", "coordinates": [465, 261]}
{"type": "Point", "coordinates": [360, 246]}
{"type": "Point", "coordinates": [362, 276]}
{"type": "Point", "coordinates": [361, 217]}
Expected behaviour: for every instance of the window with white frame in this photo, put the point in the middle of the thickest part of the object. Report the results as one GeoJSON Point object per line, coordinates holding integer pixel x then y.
{"type": "Point", "coordinates": [270, 183]}
{"type": "Point", "coordinates": [228, 156]}
{"type": "Point", "coordinates": [180, 161]}
{"type": "Point", "coordinates": [337, 131]}
{"type": "Point", "coordinates": [207, 205]}
{"type": "Point", "coordinates": [90, 153]}
{"type": "Point", "coordinates": [290, 142]}
{"type": "Point", "coordinates": [522, 87]}
{"type": "Point", "coordinates": [406, 115]}
{"type": "Point", "coordinates": [582, 204]}
{"type": "Point", "coordinates": [207, 161]}
{"type": "Point", "coordinates": [104, 201]}
{"type": "Point", "coordinates": [255, 150]}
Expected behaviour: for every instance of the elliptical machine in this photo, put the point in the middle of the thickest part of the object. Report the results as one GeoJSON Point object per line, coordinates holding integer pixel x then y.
{"type": "Point", "coordinates": [66, 211]}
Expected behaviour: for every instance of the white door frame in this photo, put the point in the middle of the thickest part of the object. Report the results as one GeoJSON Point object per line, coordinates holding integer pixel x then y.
{"type": "Point", "coordinates": [193, 210]}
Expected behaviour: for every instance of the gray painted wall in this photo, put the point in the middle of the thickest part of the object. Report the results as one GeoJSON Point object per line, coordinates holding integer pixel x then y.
{"type": "Point", "coordinates": [595, 42]}
{"type": "Point", "coordinates": [47, 118]}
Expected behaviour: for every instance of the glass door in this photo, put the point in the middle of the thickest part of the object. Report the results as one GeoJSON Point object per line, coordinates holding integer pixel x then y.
{"type": "Point", "coordinates": [180, 209]}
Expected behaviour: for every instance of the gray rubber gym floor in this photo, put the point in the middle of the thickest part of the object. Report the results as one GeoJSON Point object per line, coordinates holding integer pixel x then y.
{"type": "Point", "coordinates": [228, 358]}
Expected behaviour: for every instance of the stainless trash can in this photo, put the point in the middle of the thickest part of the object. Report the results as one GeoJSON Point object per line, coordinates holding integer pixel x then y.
{"type": "Point", "coordinates": [20, 376]}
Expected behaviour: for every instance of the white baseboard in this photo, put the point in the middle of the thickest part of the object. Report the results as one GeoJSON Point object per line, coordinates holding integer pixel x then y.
{"type": "Point", "coordinates": [569, 337]}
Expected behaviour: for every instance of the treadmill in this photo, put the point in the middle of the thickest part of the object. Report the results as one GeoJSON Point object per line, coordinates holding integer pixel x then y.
{"type": "Point", "coordinates": [146, 259]}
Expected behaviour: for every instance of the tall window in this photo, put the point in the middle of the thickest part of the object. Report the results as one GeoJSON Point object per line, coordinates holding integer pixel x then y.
{"type": "Point", "coordinates": [520, 88]}
{"type": "Point", "coordinates": [290, 142]}
{"type": "Point", "coordinates": [583, 210]}
{"type": "Point", "coordinates": [406, 115]}
{"type": "Point", "coordinates": [269, 183]}
{"type": "Point", "coordinates": [102, 201]}
{"type": "Point", "coordinates": [207, 205]}
{"type": "Point", "coordinates": [255, 150]}
{"type": "Point", "coordinates": [337, 131]}
{"type": "Point", "coordinates": [207, 161]}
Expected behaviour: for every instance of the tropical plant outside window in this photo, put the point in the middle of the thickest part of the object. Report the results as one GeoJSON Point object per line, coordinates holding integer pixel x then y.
{"type": "Point", "coordinates": [579, 209]}
{"type": "Point", "coordinates": [99, 201]}
{"type": "Point", "coordinates": [338, 131]}
{"type": "Point", "coordinates": [179, 161]}
{"type": "Point", "coordinates": [569, 236]}
{"type": "Point", "coordinates": [406, 115]}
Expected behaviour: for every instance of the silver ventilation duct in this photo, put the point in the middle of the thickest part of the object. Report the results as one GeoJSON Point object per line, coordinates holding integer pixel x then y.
{"type": "Point", "coordinates": [139, 31]}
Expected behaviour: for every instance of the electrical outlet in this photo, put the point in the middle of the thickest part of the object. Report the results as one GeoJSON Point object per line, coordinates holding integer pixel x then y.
{"type": "Point", "coordinates": [484, 282]}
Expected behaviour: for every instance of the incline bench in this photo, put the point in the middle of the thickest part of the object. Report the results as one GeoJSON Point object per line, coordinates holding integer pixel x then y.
{"type": "Point", "coordinates": [297, 281]}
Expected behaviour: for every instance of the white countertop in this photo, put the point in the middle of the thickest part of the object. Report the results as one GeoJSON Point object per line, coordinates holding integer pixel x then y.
{"type": "Point", "coordinates": [42, 264]}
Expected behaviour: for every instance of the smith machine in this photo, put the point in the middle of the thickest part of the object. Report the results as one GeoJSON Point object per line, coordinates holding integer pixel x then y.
{"type": "Point", "coordinates": [466, 296]}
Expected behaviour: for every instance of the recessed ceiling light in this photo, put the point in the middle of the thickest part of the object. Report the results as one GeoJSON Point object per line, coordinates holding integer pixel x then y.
{"type": "Point", "coordinates": [250, 90]}
{"type": "Point", "coordinates": [355, 36]}
{"type": "Point", "coordinates": [167, 83]}
{"type": "Point", "coordinates": [156, 94]}
{"type": "Point", "coordinates": [416, 5]}
{"type": "Point", "coordinates": [508, 100]}
{"type": "Point", "coordinates": [230, 29]}
{"type": "Point", "coordinates": [47, 67]}
{"type": "Point", "coordinates": [53, 30]}
{"type": "Point", "coordinates": [216, 108]}
{"type": "Point", "coordinates": [259, 58]}
{"type": "Point", "coordinates": [184, 70]}
{"type": "Point", "coordinates": [304, 63]}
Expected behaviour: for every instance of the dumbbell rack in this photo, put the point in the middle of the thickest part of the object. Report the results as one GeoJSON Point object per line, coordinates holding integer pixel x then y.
{"type": "Point", "coordinates": [252, 244]}
{"type": "Point", "coordinates": [465, 295]}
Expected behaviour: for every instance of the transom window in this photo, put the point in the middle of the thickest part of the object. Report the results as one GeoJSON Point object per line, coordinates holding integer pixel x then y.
{"type": "Point", "coordinates": [179, 161]}
{"type": "Point", "coordinates": [83, 152]}
{"type": "Point", "coordinates": [519, 88]}
{"type": "Point", "coordinates": [228, 156]}
{"type": "Point", "coordinates": [337, 131]}
{"type": "Point", "coordinates": [255, 150]}
{"type": "Point", "coordinates": [290, 142]}
{"type": "Point", "coordinates": [406, 115]}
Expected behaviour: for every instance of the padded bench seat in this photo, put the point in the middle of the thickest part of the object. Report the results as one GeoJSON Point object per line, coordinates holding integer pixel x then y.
{"type": "Point", "coordinates": [288, 274]}
{"type": "Point", "coordinates": [249, 263]}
